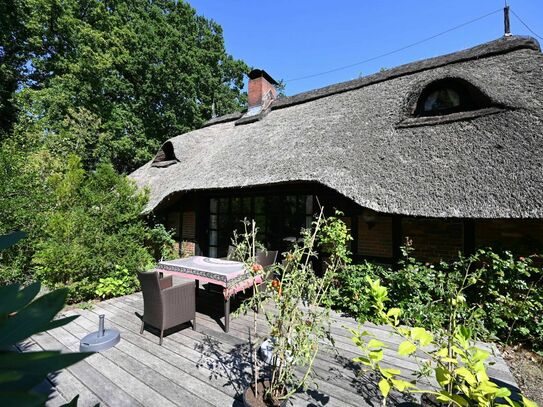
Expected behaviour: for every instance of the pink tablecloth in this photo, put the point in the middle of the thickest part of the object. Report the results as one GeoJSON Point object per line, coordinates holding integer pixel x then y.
{"type": "Point", "coordinates": [229, 274]}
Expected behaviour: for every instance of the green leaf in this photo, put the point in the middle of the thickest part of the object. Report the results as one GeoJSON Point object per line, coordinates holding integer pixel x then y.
{"type": "Point", "coordinates": [384, 386]}
{"type": "Point", "coordinates": [29, 369]}
{"type": "Point", "coordinates": [32, 319]}
{"type": "Point", "coordinates": [375, 344]}
{"type": "Point", "coordinates": [443, 376]}
{"type": "Point", "coordinates": [480, 355]}
{"type": "Point", "coordinates": [22, 398]}
{"type": "Point", "coordinates": [401, 385]}
{"type": "Point", "coordinates": [466, 375]}
{"type": "Point", "coordinates": [394, 312]}
{"type": "Point", "coordinates": [15, 299]}
{"type": "Point", "coordinates": [376, 355]}
{"type": "Point", "coordinates": [528, 402]}
{"type": "Point", "coordinates": [422, 335]}
{"type": "Point", "coordinates": [363, 360]}
{"type": "Point", "coordinates": [406, 348]}
{"type": "Point", "coordinates": [389, 372]}
{"type": "Point", "coordinates": [503, 392]}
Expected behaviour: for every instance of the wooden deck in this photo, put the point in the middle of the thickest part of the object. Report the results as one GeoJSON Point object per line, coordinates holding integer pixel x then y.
{"type": "Point", "coordinates": [206, 367]}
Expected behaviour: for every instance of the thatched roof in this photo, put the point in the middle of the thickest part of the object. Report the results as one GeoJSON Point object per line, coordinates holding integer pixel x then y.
{"type": "Point", "coordinates": [361, 139]}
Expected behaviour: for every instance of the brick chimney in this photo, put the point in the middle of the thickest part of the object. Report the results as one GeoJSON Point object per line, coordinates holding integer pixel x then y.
{"type": "Point", "coordinates": [261, 90]}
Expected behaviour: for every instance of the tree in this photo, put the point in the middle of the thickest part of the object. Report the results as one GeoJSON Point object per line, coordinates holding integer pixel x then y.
{"type": "Point", "coordinates": [112, 80]}
{"type": "Point", "coordinates": [13, 35]}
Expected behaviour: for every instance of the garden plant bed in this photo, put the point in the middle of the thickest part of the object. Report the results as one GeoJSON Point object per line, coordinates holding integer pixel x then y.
{"type": "Point", "coordinates": [527, 368]}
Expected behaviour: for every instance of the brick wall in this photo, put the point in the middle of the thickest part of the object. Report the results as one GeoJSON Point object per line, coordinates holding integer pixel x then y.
{"type": "Point", "coordinates": [434, 239]}
{"type": "Point", "coordinates": [188, 234]}
{"type": "Point", "coordinates": [375, 239]}
{"type": "Point", "coordinates": [523, 236]}
{"type": "Point", "coordinates": [257, 89]}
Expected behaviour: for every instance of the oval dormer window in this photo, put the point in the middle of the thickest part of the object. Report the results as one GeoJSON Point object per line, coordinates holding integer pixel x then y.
{"type": "Point", "coordinates": [165, 156]}
{"type": "Point", "coordinates": [450, 96]}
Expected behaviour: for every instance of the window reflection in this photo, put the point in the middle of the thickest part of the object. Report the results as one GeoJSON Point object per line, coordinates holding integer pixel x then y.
{"type": "Point", "coordinates": [276, 216]}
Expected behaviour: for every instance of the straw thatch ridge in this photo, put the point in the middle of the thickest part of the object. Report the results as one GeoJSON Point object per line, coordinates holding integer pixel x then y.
{"type": "Point", "coordinates": [361, 139]}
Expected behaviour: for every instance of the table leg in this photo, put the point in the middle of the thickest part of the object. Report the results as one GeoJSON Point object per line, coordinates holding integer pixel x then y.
{"type": "Point", "coordinates": [197, 285]}
{"type": "Point", "coordinates": [227, 314]}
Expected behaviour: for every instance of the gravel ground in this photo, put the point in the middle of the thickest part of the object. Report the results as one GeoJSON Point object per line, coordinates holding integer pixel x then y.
{"type": "Point", "coordinates": [527, 367]}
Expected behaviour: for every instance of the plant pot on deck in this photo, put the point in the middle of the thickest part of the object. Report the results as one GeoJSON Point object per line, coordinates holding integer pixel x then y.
{"type": "Point", "coordinates": [249, 399]}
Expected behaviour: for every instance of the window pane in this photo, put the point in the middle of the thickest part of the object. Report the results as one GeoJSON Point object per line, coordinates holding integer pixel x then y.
{"type": "Point", "coordinates": [212, 252]}
{"type": "Point", "coordinates": [213, 223]}
{"type": "Point", "coordinates": [260, 223]}
{"type": "Point", "coordinates": [213, 237]}
{"type": "Point", "coordinates": [442, 99]}
{"type": "Point", "coordinates": [290, 204]}
{"type": "Point", "coordinates": [309, 205]}
{"type": "Point", "coordinates": [236, 205]}
{"type": "Point", "coordinates": [223, 205]}
{"type": "Point", "coordinates": [259, 204]}
{"type": "Point", "coordinates": [247, 207]}
{"type": "Point", "coordinates": [213, 205]}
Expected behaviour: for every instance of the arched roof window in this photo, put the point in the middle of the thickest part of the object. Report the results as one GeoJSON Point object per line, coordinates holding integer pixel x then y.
{"type": "Point", "coordinates": [165, 156]}
{"type": "Point", "coordinates": [448, 96]}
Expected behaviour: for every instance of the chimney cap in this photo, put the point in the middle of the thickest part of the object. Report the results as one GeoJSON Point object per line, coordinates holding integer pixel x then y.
{"type": "Point", "coordinates": [260, 73]}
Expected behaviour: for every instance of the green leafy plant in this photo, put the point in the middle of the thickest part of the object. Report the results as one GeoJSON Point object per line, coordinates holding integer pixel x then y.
{"type": "Point", "coordinates": [504, 305]}
{"type": "Point", "coordinates": [349, 287]}
{"type": "Point", "coordinates": [120, 283]}
{"type": "Point", "coordinates": [94, 224]}
{"type": "Point", "coordinates": [451, 357]}
{"type": "Point", "coordinates": [23, 314]}
{"type": "Point", "coordinates": [294, 303]}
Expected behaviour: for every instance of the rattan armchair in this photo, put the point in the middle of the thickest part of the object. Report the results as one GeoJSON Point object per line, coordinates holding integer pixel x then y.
{"type": "Point", "coordinates": [166, 305]}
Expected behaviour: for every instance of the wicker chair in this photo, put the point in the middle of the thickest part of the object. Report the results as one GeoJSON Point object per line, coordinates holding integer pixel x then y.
{"type": "Point", "coordinates": [166, 305]}
{"type": "Point", "coordinates": [267, 258]}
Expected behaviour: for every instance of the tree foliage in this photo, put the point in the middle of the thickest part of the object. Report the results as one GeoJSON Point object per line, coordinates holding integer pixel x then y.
{"type": "Point", "coordinates": [112, 80]}
{"type": "Point", "coordinates": [90, 89]}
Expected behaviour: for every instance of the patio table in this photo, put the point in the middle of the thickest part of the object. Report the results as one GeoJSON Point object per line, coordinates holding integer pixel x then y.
{"type": "Point", "coordinates": [231, 275]}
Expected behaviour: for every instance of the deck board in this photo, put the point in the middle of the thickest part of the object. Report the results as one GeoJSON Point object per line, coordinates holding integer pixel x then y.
{"type": "Point", "coordinates": [205, 367]}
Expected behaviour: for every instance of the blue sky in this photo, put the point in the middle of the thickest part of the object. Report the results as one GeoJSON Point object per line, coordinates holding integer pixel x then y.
{"type": "Point", "coordinates": [292, 39]}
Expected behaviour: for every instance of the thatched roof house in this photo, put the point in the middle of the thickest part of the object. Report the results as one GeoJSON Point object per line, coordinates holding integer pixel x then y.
{"type": "Point", "coordinates": [445, 145]}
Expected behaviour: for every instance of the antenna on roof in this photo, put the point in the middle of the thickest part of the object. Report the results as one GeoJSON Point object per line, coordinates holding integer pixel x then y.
{"type": "Point", "coordinates": [506, 22]}
{"type": "Point", "coordinates": [213, 112]}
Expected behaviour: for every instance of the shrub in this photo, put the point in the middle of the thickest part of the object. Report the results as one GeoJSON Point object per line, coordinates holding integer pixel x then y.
{"type": "Point", "coordinates": [512, 295]}
{"type": "Point", "coordinates": [94, 226]}
{"type": "Point", "coordinates": [504, 303]}
{"type": "Point", "coordinates": [121, 282]}
{"type": "Point", "coordinates": [350, 286]}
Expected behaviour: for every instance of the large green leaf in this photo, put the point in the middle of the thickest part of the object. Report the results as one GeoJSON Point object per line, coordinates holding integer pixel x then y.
{"type": "Point", "coordinates": [13, 298]}
{"type": "Point", "coordinates": [29, 369]}
{"type": "Point", "coordinates": [22, 399]}
{"type": "Point", "coordinates": [32, 319]}
{"type": "Point", "coordinates": [10, 239]}
{"type": "Point", "coordinates": [406, 348]}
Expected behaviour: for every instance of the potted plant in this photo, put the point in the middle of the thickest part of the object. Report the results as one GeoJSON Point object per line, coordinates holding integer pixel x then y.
{"type": "Point", "coordinates": [294, 302]}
